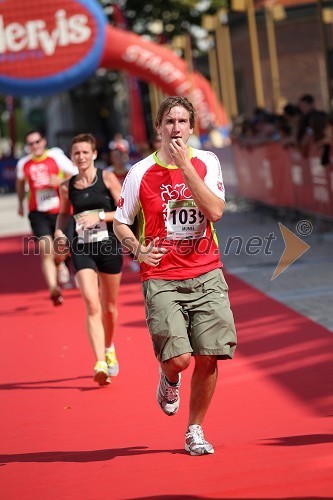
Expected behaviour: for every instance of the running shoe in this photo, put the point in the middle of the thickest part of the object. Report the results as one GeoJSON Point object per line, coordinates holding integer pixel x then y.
{"type": "Point", "coordinates": [101, 375]}
{"type": "Point", "coordinates": [195, 442]}
{"type": "Point", "coordinates": [112, 362]}
{"type": "Point", "coordinates": [63, 275]}
{"type": "Point", "coordinates": [56, 296]}
{"type": "Point", "coordinates": [168, 394]}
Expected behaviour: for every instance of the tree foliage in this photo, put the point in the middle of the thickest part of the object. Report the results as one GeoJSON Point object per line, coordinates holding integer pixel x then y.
{"type": "Point", "coordinates": [171, 17]}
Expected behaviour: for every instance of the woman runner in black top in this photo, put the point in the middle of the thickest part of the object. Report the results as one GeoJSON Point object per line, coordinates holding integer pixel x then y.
{"type": "Point", "coordinates": [91, 196]}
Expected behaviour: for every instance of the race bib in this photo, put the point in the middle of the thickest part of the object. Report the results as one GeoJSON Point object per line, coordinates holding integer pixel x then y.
{"type": "Point", "coordinates": [47, 200]}
{"type": "Point", "coordinates": [93, 234]}
{"type": "Point", "coordinates": [184, 220]}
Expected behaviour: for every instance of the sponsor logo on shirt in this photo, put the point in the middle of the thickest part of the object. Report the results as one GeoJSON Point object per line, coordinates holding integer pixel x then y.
{"type": "Point", "coordinates": [169, 192]}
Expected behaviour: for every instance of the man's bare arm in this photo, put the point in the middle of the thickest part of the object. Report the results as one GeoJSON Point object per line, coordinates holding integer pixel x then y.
{"type": "Point", "coordinates": [20, 190]}
{"type": "Point", "coordinates": [150, 254]}
{"type": "Point", "coordinates": [64, 212]}
{"type": "Point", "coordinates": [208, 203]}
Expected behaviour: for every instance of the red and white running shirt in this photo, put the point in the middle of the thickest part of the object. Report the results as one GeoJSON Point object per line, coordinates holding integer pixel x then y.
{"type": "Point", "coordinates": [36, 171]}
{"type": "Point", "coordinates": [165, 208]}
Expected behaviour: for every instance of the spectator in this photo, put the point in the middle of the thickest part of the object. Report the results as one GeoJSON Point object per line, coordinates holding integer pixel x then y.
{"type": "Point", "coordinates": [291, 114]}
{"type": "Point", "coordinates": [119, 164]}
{"type": "Point", "coordinates": [306, 105]}
{"type": "Point", "coordinates": [118, 142]}
{"type": "Point", "coordinates": [155, 142]}
{"type": "Point", "coordinates": [319, 136]}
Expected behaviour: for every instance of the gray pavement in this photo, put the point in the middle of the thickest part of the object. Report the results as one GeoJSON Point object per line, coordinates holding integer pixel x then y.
{"type": "Point", "coordinates": [305, 286]}
{"type": "Point", "coordinates": [11, 223]}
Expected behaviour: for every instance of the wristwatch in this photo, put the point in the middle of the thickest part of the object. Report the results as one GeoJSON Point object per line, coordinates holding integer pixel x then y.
{"type": "Point", "coordinates": [101, 215]}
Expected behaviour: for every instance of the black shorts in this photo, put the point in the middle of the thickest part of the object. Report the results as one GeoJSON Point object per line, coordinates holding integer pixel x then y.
{"type": "Point", "coordinates": [104, 256]}
{"type": "Point", "coordinates": [42, 223]}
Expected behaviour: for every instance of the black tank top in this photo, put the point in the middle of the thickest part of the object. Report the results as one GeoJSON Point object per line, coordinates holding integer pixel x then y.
{"type": "Point", "coordinates": [97, 195]}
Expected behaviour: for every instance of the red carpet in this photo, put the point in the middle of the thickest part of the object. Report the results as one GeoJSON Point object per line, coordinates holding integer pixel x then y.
{"type": "Point", "coordinates": [64, 438]}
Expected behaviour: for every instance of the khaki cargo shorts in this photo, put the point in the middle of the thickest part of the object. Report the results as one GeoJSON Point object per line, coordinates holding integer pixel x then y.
{"type": "Point", "coordinates": [190, 315]}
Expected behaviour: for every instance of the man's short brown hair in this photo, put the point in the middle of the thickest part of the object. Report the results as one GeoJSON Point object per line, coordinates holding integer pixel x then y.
{"type": "Point", "coordinates": [171, 102]}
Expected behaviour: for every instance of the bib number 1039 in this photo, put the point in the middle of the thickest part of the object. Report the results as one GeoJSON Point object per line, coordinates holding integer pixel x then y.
{"type": "Point", "coordinates": [184, 220]}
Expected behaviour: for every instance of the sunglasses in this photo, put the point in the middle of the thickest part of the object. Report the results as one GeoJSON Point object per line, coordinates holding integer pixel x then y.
{"type": "Point", "coordinates": [32, 143]}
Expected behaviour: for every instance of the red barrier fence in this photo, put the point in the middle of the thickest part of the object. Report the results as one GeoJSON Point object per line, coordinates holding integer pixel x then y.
{"type": "Point", "coordinates": [281, 177]}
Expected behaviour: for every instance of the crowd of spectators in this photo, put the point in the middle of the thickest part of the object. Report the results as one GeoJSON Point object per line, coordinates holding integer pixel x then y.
{"type": "Point", "coordinates": [300, 125]}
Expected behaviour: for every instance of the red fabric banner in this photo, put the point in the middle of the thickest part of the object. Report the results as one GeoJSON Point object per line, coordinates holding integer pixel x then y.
{"type": "Point", "coordinates": [281, 177]}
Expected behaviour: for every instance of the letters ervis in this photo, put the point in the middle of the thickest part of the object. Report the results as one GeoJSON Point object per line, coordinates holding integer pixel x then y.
{"type": "Point", "coordinates": [16, 37]}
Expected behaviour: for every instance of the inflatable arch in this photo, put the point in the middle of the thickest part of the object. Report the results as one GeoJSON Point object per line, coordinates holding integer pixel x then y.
{"type": "Point", "coordinates": [48, 47]}
{"type": "Point", "coordinates": [157, 64]}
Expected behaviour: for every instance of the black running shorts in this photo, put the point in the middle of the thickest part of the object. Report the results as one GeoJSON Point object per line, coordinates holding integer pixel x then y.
{"type": "Point", "coordinates": [104, 256]}
{"type": "Point", "coordinates": [42, 223]}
